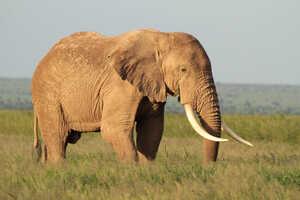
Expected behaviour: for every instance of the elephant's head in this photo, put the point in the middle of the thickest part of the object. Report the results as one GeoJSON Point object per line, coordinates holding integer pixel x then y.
{"type": "Point", "coordinates": [160, 63]}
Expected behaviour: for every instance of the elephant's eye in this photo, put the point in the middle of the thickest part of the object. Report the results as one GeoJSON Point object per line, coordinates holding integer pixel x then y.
{"type": "Point", "coordinates": [183, 69]}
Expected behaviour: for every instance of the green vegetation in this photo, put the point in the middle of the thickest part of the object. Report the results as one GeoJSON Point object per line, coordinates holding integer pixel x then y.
{"type": "Point", "coordinates": [234, 98]}
{"type": "Point", "coordinates": [270, 170]}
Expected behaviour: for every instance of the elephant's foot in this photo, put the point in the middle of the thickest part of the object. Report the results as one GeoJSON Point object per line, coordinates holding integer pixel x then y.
{"type": "Point", "coordinates": [142, 159]}
{"type": "Point", "coordinates": [122, 143]}
{"type": "Point", "coordinates": [124, 147]}
{"type": "Point", "coordinates": [54, 154]}
{"type": "Point", "coordinates": [126, 154]}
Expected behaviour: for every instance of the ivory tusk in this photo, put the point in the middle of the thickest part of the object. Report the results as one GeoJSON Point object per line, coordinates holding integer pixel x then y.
{"type": "Point", "coordinates": [191, 117]}
{"type": "Point", "coordinates": [226, 129]}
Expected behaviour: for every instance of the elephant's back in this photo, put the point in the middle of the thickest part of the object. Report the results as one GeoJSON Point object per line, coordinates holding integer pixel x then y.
{"type": "Point", "coordinates": [79, 54]}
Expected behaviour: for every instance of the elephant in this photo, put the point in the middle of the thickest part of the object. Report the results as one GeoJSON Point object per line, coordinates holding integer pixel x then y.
{"type": "Point", "coordinates": [89, 82]}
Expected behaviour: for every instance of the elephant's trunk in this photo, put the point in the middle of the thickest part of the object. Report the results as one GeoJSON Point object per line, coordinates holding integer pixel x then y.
{"type": "Point", "coordinates": [206, 105]}
{"type": "Point", "coordinates": [205, 102]}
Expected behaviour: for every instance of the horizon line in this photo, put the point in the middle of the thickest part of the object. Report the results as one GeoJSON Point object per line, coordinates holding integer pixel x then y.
{"type": "Point", "coordinates": [216, 82]}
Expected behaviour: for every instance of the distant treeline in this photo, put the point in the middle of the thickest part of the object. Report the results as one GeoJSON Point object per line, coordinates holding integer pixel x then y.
{"type": "Point", "coordinates": [15, 93]}
{"type": "Point", "coordinates": [259, 98]}
{"type": "Point", "coordinates": [234, 98]}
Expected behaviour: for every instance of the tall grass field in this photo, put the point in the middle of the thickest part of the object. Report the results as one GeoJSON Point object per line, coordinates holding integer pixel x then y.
{"type": "Point", "coordinates": [269, 170]}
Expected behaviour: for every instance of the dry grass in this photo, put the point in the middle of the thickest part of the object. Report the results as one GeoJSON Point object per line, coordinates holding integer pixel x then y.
{"type": "Point", "coordinates": [271, 170]}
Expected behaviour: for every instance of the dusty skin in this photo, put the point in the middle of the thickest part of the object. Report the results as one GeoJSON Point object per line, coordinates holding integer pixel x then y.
{"type": "Point", "coordinates": [90, 82]}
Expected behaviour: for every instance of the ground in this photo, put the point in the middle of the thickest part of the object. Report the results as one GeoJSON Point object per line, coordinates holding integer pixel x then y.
{"type": "Point", "coordinates": [270, 170]}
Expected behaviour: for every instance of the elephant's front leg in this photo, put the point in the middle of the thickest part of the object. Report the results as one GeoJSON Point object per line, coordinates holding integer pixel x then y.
{"type": "Point", "coordinates": [149, 133]}
{"type": "Point", "coordinates": [117, 126]}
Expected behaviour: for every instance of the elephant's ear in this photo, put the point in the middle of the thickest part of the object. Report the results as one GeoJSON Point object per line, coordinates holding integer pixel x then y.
{"type": "Point", "coordinates": [143, 71]}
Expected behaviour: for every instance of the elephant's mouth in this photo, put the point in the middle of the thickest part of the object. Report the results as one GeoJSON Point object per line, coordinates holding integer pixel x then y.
{"type": "Point", "coordinates": [201, 131]}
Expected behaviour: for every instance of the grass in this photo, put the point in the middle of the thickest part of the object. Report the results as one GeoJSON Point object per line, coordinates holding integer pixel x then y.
{"type": "Point", "coordinates": [271, 170]}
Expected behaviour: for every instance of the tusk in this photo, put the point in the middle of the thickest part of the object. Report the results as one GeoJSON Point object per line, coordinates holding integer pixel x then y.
{"type": "Point", "coordinates": [191, 117]}
{"type": "Point", "coordinates": [226, 129]}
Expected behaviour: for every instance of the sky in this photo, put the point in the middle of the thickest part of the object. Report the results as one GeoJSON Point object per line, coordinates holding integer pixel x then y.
{"type": "Point", "coordinates": [247, 41]}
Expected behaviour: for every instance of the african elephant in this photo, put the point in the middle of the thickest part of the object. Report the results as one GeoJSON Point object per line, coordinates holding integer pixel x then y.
{"type": "Point", "coordinates": [90, 82]}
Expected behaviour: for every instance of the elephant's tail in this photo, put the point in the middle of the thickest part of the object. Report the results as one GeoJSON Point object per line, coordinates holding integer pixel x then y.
{"type": "Point", "coordinates": [35, 130]}
{"type": "Point", "coordinates": [36, 141]}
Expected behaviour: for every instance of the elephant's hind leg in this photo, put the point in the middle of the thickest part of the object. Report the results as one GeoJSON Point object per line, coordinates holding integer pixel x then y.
{"type": "Point", "coordinates": [54, 132]}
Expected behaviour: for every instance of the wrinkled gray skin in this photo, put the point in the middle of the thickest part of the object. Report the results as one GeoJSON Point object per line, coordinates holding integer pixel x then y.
{"type": "Point", "coordinates": [90, 82]}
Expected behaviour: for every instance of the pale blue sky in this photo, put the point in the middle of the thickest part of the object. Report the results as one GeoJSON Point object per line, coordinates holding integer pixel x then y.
{"type": "Point", "coordinates": [247, 41]}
